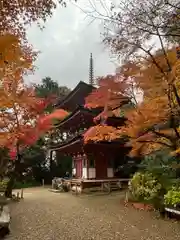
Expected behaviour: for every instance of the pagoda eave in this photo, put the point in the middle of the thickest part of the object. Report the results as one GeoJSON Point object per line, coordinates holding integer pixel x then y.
{"type": "Point", "coordinates": [76, 97]}
{"type": "Point", "coordinates": [106, 146]}
{"type": "Point", "coordinates": [70, 147]}
{"type": "Point", "coordinates": [77, 145]}
{"type": "Point", "coordinates": [115, 121]}
{"type": "Point", "coordinates": [81, 116]}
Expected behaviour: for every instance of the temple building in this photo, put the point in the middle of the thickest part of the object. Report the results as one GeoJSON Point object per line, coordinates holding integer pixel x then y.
{"type": "Point", "coordinates": [89, 160]}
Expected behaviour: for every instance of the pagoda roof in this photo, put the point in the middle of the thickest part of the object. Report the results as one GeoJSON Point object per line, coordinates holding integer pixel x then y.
{"type": "Point", "coordinates": [76, 97]}
{"type": "Point", "coordinates": [85, 117]}
{"type": "Point", "coordinates": [79, 117]}
{"type": "Point", "coordinates": [77, 145]}
{"type": "Point", "coordinates": [115, 121]}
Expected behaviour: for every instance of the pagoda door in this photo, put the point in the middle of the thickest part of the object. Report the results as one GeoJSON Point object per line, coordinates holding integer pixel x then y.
{"type": "Point", "coordinates": [79, 167]}
{"type": "Point", "coordinates": [101, 167]}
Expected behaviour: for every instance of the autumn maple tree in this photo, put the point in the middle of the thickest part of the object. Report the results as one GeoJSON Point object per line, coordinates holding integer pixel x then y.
{"type": "Point", "coordinates": [16, 15]}
{"type": "Point", "coordinates": [114, 92]}
{"type": "Point", "coordinates": [110, 95]}
{"type": "Point", "coordinates": [101, 133]}
{"type": "Point", "coordinates": [152, 123]}
{"type": "Point", "coordinates": [134, 30]}
{"type": "Point", "coordinates": [22, 118]}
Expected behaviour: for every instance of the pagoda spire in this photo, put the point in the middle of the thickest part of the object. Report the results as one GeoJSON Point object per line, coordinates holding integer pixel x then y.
{"type": "Point", "coordinates": [91, 71]}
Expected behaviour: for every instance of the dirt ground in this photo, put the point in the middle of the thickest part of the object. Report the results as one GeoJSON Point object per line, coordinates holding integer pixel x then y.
{"type": "Point", "coordinates": [44, 215]}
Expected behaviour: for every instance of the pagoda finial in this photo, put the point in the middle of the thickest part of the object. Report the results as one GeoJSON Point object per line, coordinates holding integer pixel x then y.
{"type": "Point", "coordinates": [91, 71]}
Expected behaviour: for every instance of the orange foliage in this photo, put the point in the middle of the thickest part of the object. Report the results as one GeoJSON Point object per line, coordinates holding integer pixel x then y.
{"type": "Point", "coordinates": [15, 15]}
{"type": "Point", "coordinates": [159, 81]}
{"type": "Point", "coordinates": [111, 94]}
{"type": "Point", "coordinates": [22, 118]}
{"type": "Point", "coordinates": [101, 133]}
{"type": "Point", "coordinates": [158, 78]}
{"type": "Point", "coordinates": [56, 114]}
{"type": "Point", "coordinates": [146, 115]}
{"type": "Point", "coordinates": [15, 58]}
{"type": "Point", "coordinates": [157, 74]}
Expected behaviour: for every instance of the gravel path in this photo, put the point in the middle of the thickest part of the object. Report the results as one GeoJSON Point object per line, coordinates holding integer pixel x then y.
{"type": "Point", "coordinates": [44, 215]}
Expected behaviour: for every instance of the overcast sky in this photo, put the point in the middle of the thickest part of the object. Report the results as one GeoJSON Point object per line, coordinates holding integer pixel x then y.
{"type": "Point", "coordinates": [66, 44]}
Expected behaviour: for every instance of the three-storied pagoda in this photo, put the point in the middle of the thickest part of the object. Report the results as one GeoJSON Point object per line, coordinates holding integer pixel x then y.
{"type": "Point", "coordinates": [90, 160]}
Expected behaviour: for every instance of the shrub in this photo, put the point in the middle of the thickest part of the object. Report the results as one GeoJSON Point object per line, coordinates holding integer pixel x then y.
{"type": "Point", "coordinates": [144, 187]}
{"type": "Point", "coordinates": [160, 164]}
{"type": "Point", "coordinates": [3, 184]}
{"type": "Point", "coordinates": [172, 197]}
{"type": "Point", "coordinates": [19, 185]}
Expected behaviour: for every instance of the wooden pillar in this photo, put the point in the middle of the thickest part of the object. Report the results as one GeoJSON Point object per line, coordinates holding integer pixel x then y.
{"type": "Point", "coordinates": [87, 167]}
{"type": "Point", "coordinates": [74, 165]}
{"type": "Point", "coordinates": [79, 165]}
{"type": "Point", "coordinates": [82, 163]}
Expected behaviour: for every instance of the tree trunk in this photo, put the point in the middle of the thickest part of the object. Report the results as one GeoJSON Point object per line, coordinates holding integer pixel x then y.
{"type": "Point", "coordinates": [9, 188]}
{"type": "Point", "coordinates": [13, 175]}
{"type": "Point", "coordinates": [51, 165]}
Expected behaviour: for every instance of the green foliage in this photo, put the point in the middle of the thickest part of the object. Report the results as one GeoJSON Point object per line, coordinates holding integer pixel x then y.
{"type": "Point", "coordinates": [3, 184]}
{"type": "Point", "coordinates": [172, 197]}
{"type": "Point", "coordinates": [48, 88]}
{"type": "Point", "coordinates": [160, 165]}
{"type": "Point", "coordinates": [19, 185]}
{"type": "Point", "coordinates": [34, 163]}
{"type": "Point", "coordinates": [62, 165]}
{"type": "Point", "coordinates": [155, 180]}
{"type": "Point", "coordinates": [144, 187]}
{"type": "Point", "coordinates": [40, 164]}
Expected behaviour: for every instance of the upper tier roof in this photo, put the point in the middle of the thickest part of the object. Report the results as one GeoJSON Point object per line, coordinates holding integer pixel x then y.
{"type": "Point", "coordinates": [77, 142]}
{"type": "Point", "coordinates": [76, 97]}
{"type": "Point", "coordinates": [83, 117]}
{"type": "Point", "coordinates": [76, 145]}
{"type": "Point", "coordinates": [80, 117]}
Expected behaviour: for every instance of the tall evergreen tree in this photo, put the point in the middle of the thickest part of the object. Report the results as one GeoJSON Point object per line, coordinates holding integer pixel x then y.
{"type": "Point", "coordinates": [49, 88]}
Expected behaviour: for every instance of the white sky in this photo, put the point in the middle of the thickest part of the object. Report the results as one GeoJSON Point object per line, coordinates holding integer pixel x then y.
{"type": "Point", "coordinates": [66, 44]}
